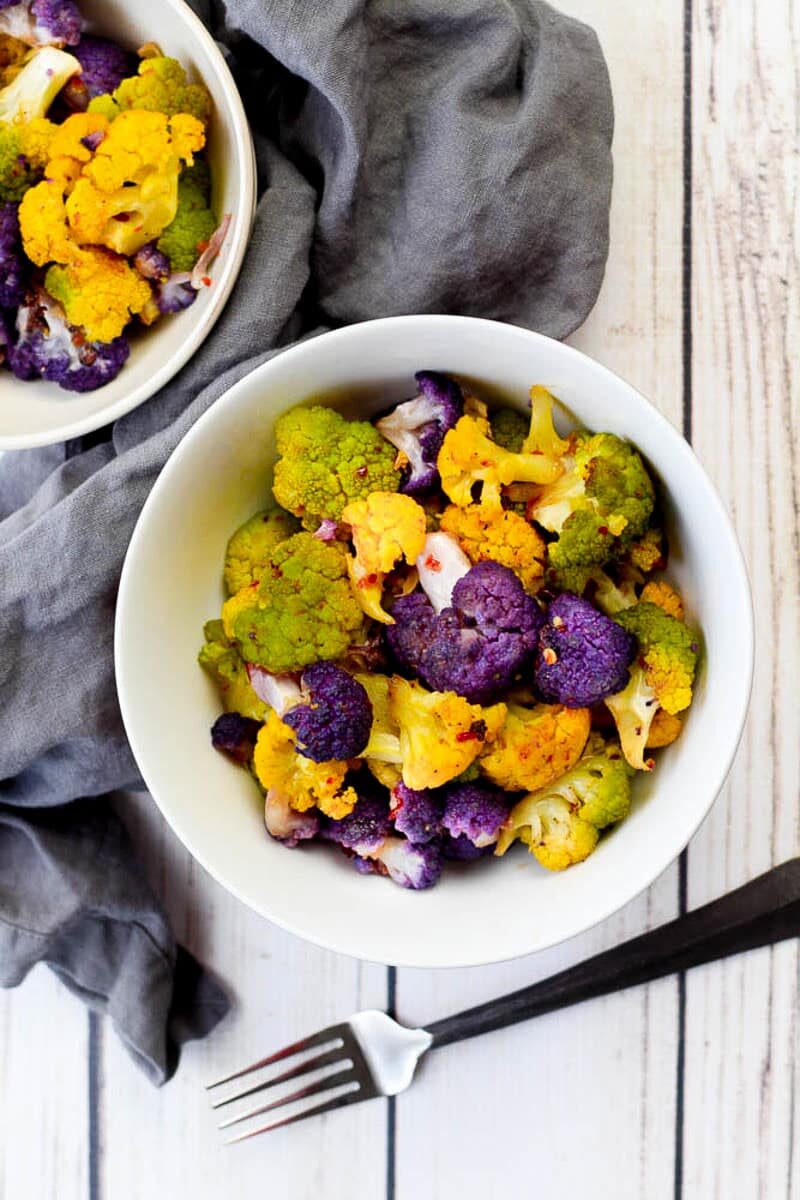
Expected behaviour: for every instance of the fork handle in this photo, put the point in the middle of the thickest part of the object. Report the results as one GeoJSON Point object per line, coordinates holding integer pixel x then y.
{"type": "Point", "coordinates": [762, 912]}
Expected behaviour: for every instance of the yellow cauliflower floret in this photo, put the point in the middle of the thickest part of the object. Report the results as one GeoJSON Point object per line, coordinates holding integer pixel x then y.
{"type": "Point", "coordinates": [504, 537]}
{"type": "Point", "coordinates": [535, 746]}
{"type": "Point", "coordinates": [468, 457]}
{"type": "Point", "coordinates": [46, 236]}
{"type": "Point", "coordinates": [100, 292]}
{"type": "Point", "coordinates": [127, 193]}
{"type": "Point", "coordinates": [440, 733]}
{"type": "Point", "coordinates": [297, 779]}
{"type": "Point", "coordinates": [664, 595]}
{"type": "Point", "coordinates": [386, 527]}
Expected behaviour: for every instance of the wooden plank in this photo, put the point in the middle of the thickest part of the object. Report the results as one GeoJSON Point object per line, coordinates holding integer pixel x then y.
{"type": "Point", "coordinates": [580, 1102]}
{"type": "Point", "coordinates": [164, 1142]}
{"type": "Point", "coordinates": [742, 1063]}
{"type": "Point", "coordinates": [43, 1091]}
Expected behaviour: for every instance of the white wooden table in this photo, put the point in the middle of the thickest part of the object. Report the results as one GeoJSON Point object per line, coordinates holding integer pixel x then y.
{"type": "Point", "coordinates": [686, 1089]}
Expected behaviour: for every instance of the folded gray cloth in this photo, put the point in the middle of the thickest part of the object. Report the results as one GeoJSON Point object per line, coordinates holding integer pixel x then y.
{"type": "Point", "coordinates": [414, 156]}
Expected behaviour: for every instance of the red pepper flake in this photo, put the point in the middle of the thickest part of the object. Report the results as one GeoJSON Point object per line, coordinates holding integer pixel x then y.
{"type": "Point", "coordinates": [432, 563]}
{"type": "Point", "coordinates": [206, 281]}
{"type": "Point", "coordinates": [122, 217]}
{"type": "Point", "coordinates": [368, 580]}
{"type": "Point", "coordinates": [466, 735]}
{"type": "Point", "coordinates": [603, 530]}
{"type": "Point", "coordinates": [201, 246]}
{"type": "Point", "coordinates": [649, 764]}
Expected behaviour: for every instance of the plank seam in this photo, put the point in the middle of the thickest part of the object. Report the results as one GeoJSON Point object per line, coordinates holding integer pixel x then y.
{"type": "Point", "coordinates": [93, 1096]}
{"type": "Point", "coordinates": [391, 1103]}
{"type": "Point", "coordinates": [686, 406]}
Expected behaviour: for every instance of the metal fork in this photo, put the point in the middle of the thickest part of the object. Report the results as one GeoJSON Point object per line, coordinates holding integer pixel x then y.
{"type": "Point", "coordinates": [373, 1055]}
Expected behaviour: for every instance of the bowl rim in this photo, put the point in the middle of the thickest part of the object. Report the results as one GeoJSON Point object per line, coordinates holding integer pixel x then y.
{"type": "Point", "coordinates": [244, 156]}
{"type": "Point", "coordinates": [742, 585]}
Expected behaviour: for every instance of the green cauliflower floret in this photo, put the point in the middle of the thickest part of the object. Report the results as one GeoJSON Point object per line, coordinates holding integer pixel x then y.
{"type": "Point", "coordinates": [251, 545]}
{"type": "Point", "coordinates": [327, 461]}
{"type": "Point", "coordinates": [198, 176]}
{"type": "Point", "coordinates": [509, 428]}
{"type": "Point", "coordinates": [560, 822]}
{"type": "Point", "coordinates": [599, 506]}
{"type": "Point", "coordinates": [185, 238]}
{"type": "Point", "coordinates": [19, 169]}
{"type": "Point", "coordinates": [160, 86]}
{"type": "Point", "coordinates": [661, 679]}
{"type": "Point", "coordinates": [302, 611]}
{"type": "Point", "coordinates": [668, 650]}
{"type": "Point", "coordinates": [223, 663]}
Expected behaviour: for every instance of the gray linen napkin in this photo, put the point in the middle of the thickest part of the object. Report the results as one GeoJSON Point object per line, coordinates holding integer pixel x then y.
{"type": "Point", "coordinates": [414, 156]}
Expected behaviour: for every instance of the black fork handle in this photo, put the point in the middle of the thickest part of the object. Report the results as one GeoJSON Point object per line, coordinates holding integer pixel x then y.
{"type": "Point", "coordinates": [762, 912]}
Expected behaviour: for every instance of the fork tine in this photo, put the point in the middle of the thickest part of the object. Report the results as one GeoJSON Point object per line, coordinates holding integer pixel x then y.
{"type": "Point", "coordinates": [336, 1054]}
{"type": "Point", "coordinates": [313, 1089]}
{"type": "Point", "coordinates": [351, 1097]}
{"type": "Point", "coordinates": [316, 1039]}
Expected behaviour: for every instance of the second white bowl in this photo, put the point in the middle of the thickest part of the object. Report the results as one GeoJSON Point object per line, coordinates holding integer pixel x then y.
{"type": "Point", "coordinates": [36, 414]}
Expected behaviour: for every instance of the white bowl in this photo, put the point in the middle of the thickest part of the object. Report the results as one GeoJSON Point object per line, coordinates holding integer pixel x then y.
{"type": "Point", "coordinates": [36, 414]}
{"type": "Point", "coordinates": [220, 474]}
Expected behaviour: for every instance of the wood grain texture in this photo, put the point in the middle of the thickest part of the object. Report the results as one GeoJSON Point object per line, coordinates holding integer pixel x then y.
{"type": "Point", "coordinates": [44, 1108]}
{"type": "Point", "coordinates": [558, 1092]}
{"type": "Point", "coordinates": [742, 1055]}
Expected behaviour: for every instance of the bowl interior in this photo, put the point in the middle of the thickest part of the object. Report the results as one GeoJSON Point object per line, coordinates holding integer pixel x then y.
{"type": "Point", "coordinates": [220, 474]}
{"type": "Point", "coordinates": [38, 413]}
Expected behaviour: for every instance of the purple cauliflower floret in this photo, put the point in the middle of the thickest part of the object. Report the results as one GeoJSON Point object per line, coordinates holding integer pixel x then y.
{"type": "Point", "coordinates": [152, 264]}
{"type": "Point", "coordinates": [41, 22]}
{"type": "Point", "coordinates": [176, 293]}
{"type": "Point", "coordinates": [105, 65]}
{"type": "Point", "coordinates": [461, 849]}
{"type": "Point", "coordinates": [47, 347]}
{"type": "Point", "coordinates": [13, 264]}
{"type": "Point", "coordinates": [417, 815]}
{"type": "Point", "coordinates": [410, 866]}
{"type": "Point", "coordinates": [475, 811]}
{"type": "Point", "coordinates": [235, 736]}
{"type": "Point", "coordinates": [364, 830]}
{"type": "Point", "coordinates": [477, 645]}
{"type": "Point", "coordinates": [583, 656]}
{"type": "Point", "coordinates": [285, 824]}
{"type": "Point", "coordinates": [335, 722]}
{"type": "Point", "coordinates": [417, 428]}
{"type": "Point", "coordinates": [366, 835]}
